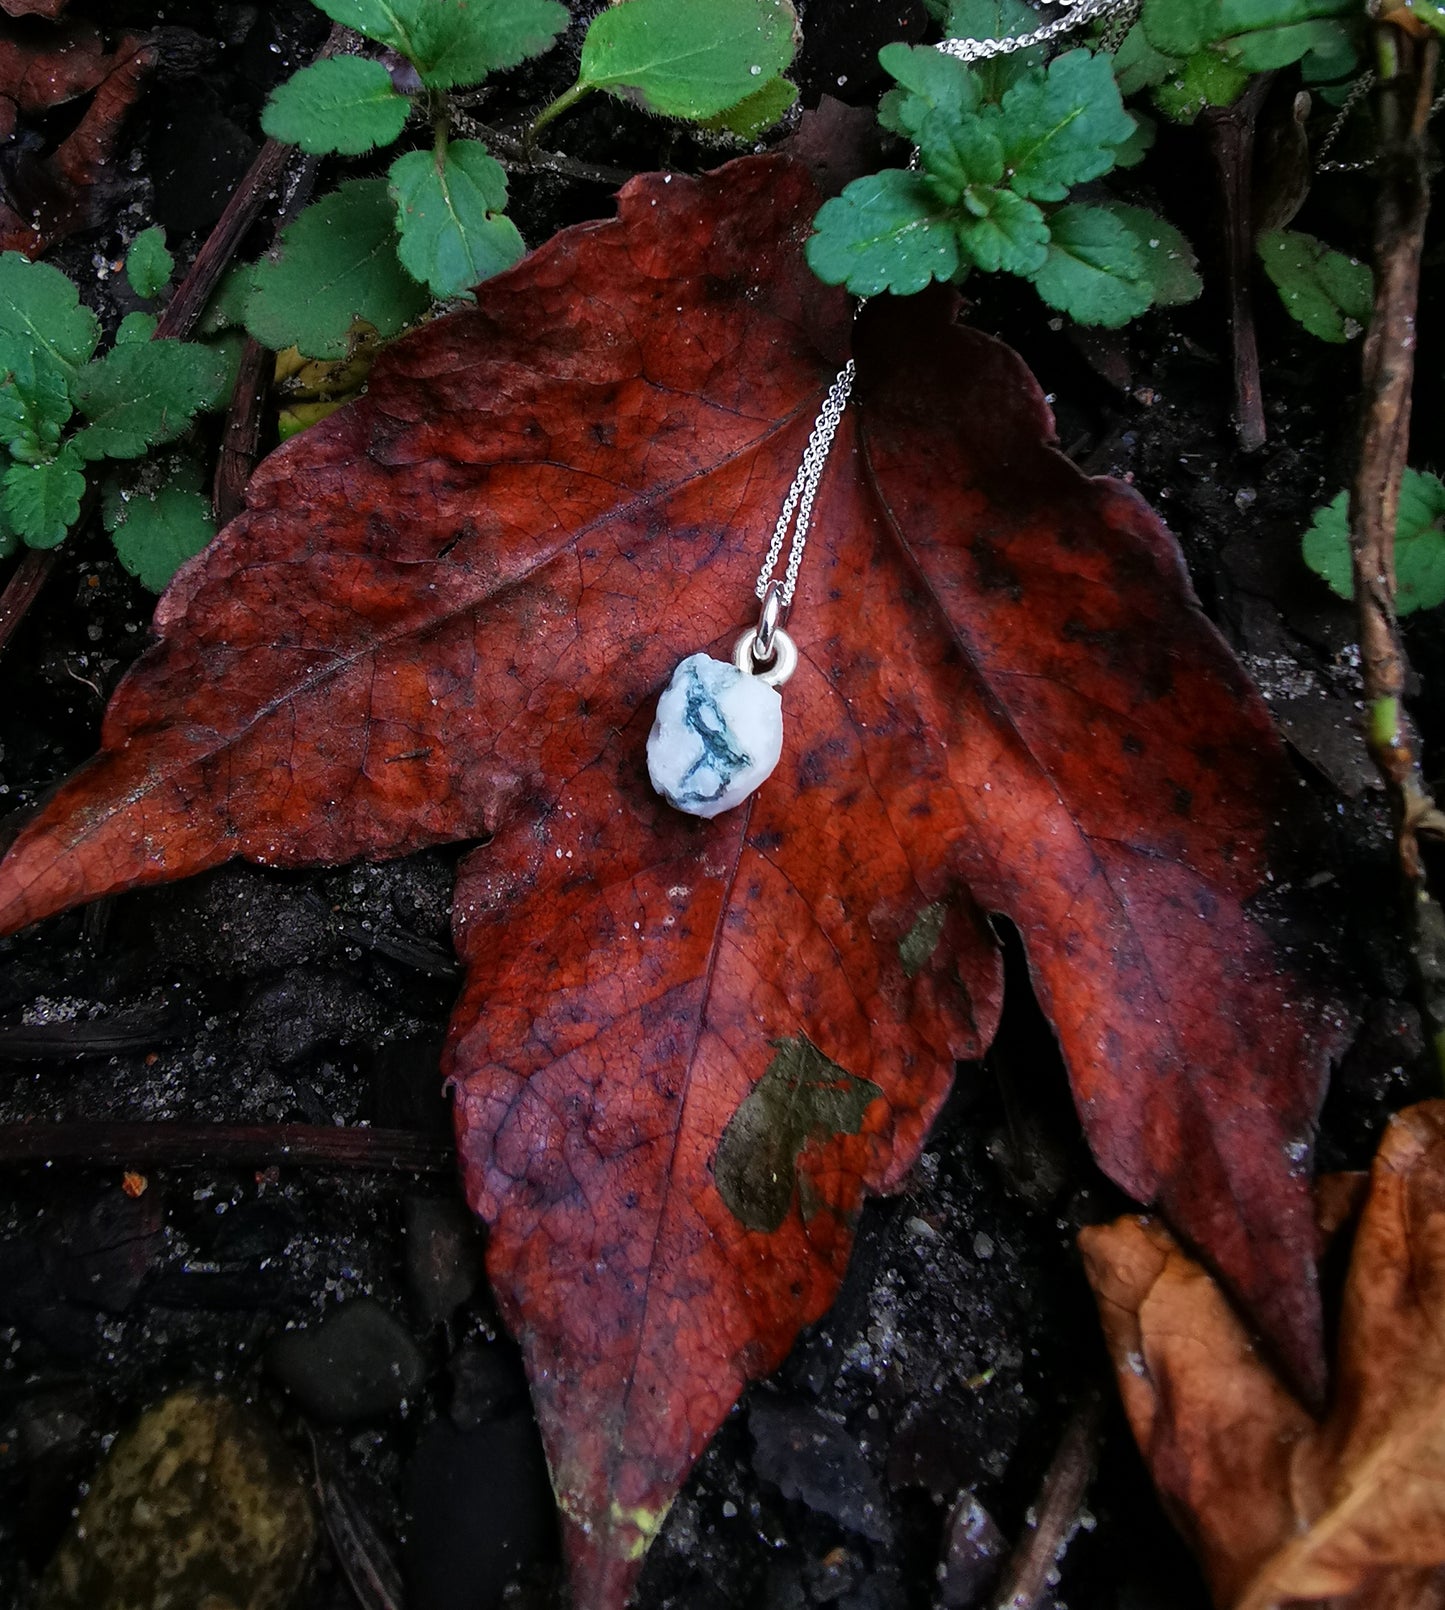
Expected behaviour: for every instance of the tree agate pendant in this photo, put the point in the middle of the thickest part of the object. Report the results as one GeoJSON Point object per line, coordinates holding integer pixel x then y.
{"type": "Point", "coordinates": [717, 736]}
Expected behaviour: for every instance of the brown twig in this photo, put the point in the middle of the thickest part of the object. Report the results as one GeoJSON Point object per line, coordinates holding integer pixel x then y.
{"type": "Point", "coordinates": [1230, 131]}
{"type": "Point", "coordinates": [1055, 1514]}
{"type": "Point", "coordinates": [21, 591]}
{"type": "Point", "coordinates": [126, 1145]}
{"type": "Point", "coordinates": [1406, 78]}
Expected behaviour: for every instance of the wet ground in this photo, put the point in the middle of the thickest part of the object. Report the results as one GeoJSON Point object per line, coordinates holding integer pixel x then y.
{"type": "Point", "coordinates": [964, 1337]}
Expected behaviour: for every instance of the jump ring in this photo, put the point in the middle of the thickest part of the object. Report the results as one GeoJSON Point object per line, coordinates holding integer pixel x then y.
{"type": "Point", "coordinates": [782, 666]}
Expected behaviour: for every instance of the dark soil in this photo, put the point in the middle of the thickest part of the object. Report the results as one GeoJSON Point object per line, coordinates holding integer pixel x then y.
{"type": "Point", "coordinates": [965, 1334]}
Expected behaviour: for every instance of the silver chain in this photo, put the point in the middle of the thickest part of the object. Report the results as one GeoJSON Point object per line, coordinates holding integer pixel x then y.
{"type": "Point", "coordinates": [1079, 13]}
{"type": "Point", "coordinates": [803, 490]}
{"type": "Point", "coordinates": [799, 501]}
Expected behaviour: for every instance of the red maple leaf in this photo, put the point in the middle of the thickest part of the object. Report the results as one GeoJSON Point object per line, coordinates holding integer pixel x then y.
{"type": "Point", "coordinates": [686, 1050]}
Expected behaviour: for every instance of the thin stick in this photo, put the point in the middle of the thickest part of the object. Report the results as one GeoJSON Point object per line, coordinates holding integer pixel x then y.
{"type": "Point", "coordinates": [1230, 130]}
{"type": "Point", "coordinates": [1407, 69]}
{"type": "Point", "coordinates": [126, 1145]}
{"type": "Point", "coordinates": [21, 591]}
{"type": "Point", "coordinates": [1055, 1514]}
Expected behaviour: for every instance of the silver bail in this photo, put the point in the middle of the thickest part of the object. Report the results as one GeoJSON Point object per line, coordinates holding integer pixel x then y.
{"type": "Point", "coordinates": [764, 645]}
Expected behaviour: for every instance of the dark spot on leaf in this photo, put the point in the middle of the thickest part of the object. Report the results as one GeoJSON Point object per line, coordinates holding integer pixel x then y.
{"type": "Point", "coordinates": [1182, 800]}
{"type": "Point", "coordinates": [802, 1099]}
{"type": "Point", "coordinates": [1133, 744]}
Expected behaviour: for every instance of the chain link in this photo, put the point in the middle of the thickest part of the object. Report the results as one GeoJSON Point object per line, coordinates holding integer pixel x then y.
{"type": "Point", "coordinates": [803, 490]}
{"type": "Point", "coordinates": [1079, 13]}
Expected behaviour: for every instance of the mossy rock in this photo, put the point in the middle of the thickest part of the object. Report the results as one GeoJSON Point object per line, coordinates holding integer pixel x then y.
{"type": "Point", "coordinates": [200, 1506]}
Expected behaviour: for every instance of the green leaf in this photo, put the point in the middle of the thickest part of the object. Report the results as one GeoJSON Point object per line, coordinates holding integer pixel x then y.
{"type": "Point", "coordinates": [227, 308]}
{"type": "Point", "coordinates": [343, 104]}
{"type": "Point", "coordinates": [449, 214]}
{"type": "Point", "coordinates": [687, 58]}
{"type": "Point", "coordinates": [1205, 79]}
{"type": "Point", "coordinates": [338, 265]}
{"type": "Point", "coordinates": [996, 19]}
{"type": "Point", "coordinates": [41, 308]}
{"type": "Point", "coordinates": [884, 233]}
{"type": "Point", "coordinates": [931, 80]}
{"type": "Point", "coordinates": [139, 396]}
{"type": "Point", "coordinates": [1327, 49]}
{"type": "Point", "coordinates": [135, 327]}
{"type": "Point", "coordinates": [458, 42]}
{"type": "Point", "coordinates": [148, 265]}
{"type": "Point", "coordinates": [155, 532]}
{"type": "Point", "coordinates": [1167, 260]}
{"type": "Point", "coordinates": [957, 150]}
{"type": "Point", "coordinates": [1133, 150]}
{"type": "Point", "coordinates": [9, 539]}
{"type": "Point", "coordinates": [1137, 65]}
{"type": "Point", "coordinates": [42, 501]}
{"type": "Point", "coordinates": [1325, 291]}
{"type": "Point", "coordinates": [34, 400]}
{"type": "Point", "coordinates": [1060, 127]}
{"type": "Point", "coordinates": [758, 113]}
{"type": "Point", "coordinates": [1009, 233]}
{"type": "Point", "coordinates": [1419, 544]}
{"type": "Point", "coordinates": [1094, 271]}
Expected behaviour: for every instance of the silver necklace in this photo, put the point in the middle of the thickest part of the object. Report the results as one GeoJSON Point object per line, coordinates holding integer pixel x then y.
{"type": "Point", "coordinates": [718, 732]}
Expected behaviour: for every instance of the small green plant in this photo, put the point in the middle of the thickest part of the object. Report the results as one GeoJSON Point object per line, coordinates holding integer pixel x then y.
{"type": "Point", "coordinates": [66, 413]}
{"type": "Point", "coordinates": [378, 251]}
{"type": "Point", "coordinates": [1419, 544]}
{"type": "Point", "coordinates": [1190, 54]}
{"type": "Point", "coordinates": [1000, 148]}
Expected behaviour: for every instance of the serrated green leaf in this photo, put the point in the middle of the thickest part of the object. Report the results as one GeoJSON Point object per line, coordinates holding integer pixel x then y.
{"type": "Point", "coordinates": [1419, 544]}
{"type": "Point", "coordinates": [34, 399]}
{"type": "Point", "coordinates": [1133, 150]}
{"type": "Point", "coordinates": [1326, 48]}
{"type": "Point", "coordinates": [9, 539]}
{"type": "Point", "coordinates": [758, 113]}
{"type": "Point", "coordinates": [227, 308]}
{"type": "Point", "coordinates": [148, 265]}
{"type": "Point", "coordinates": [958, 149]}
{"type": "Point", "coordinates": [338, 265]}
{"type": "Point", "coordinates": [458, 42]}
{"type": "Point", "coordinates": [344, 105]}
{"type": "Point", "coordinates": [449, 214]}
{"type": "Point", "coordinates": [1060, 127]}
{"type": "Point", "coordinates": [156, 532]}
{"type": "Point", "coordinates": [140, 396]}
{"type": "Point", "coordinates": [1204, 79]}
{"type": "Point", "coordinates": [996, 19]}
{"type": "Point", "coordinates": [41, 308]}
{"type": "Point", "coordinates": [1006, 232]}
{"type": "Point", "coordinates": [136, 327]}
{"type": "Point", "coordinates": [1093, 271]}
{"type": "Point", "coordinates": [1137, 64]}
{"type": "Point", "coordinates": [1181, 27]}
{"type": "Point", "coordinates": [884, 233]}
{"type": "Point", "coordinates": [687, 58]}
{"type": "Point", "coordinates": [1325, 291]}
{"type": "Point", "coordinates": [1167, 260]}
{"type": "Point", "coordinates": [42, 501]}
{"type": "Point", "coordinates": [931, 80]}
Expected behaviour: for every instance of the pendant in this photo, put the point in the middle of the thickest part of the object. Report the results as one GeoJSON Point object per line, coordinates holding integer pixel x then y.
{"type": "Point", "coordinates": [719, 728]}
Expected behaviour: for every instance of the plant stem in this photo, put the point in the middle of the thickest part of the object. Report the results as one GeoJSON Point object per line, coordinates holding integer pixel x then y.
{"type": "Point", "coordinates": [1406, 71]}
{"type": "Point", "coordinates": [564, 103]}
{"type": "Point", "coordinates": [26, 580]}
{"type": "Point", "coordinates": [1055, 1512]}
{"type": "Point", "coordinates": [1230, 130]}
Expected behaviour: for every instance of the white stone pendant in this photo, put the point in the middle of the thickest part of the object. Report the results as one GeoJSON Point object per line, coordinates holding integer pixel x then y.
{"type": "Point", "coordinates": [717, 736]}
